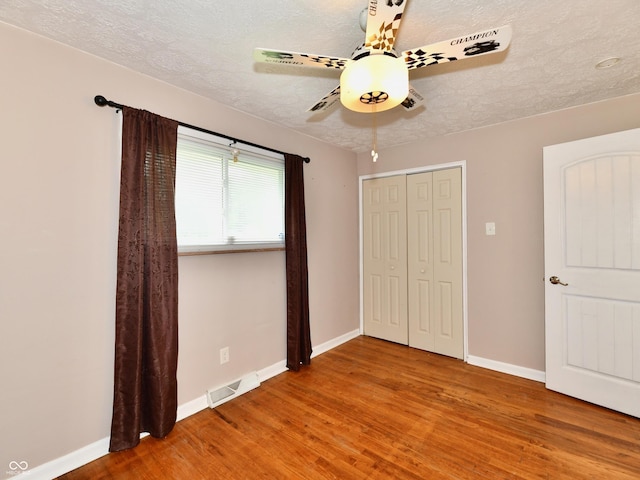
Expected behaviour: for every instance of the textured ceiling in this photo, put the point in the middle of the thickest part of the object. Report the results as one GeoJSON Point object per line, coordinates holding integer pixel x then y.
{"type": "Point", "coordinates": [206, 46]}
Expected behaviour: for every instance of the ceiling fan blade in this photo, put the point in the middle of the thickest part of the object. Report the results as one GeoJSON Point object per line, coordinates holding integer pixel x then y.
{"type": "Point", "coordinates": [467, 46]}
{"type": "Point", "coordinates": [328, 101]}
{"type": "Point", "coordinates": [302, 59]}
{"type": "Point", "coordinates": [413, 99]}
{"type": "Point", "coordinates": [383, 21]}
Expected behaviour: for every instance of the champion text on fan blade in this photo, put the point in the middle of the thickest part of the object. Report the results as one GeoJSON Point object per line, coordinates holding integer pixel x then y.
{"type": "Point", "coordinates": [467, 46]}
{"type": "Point", "coordinates": [301, 59]}
{"type": "Point", "coordinates": [413, 100]}
{"type": "Point", "coordinates": [383, 22]}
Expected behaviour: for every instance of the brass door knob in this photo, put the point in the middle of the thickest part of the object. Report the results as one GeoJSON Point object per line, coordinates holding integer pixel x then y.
{"type": "Point", "coordinates": [556, 281]}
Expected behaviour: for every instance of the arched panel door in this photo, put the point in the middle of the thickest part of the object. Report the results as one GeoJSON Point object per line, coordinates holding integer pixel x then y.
{"type": "Point", "coordinates": [592, 269]}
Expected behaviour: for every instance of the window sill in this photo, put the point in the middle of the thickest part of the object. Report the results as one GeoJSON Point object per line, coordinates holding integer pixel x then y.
{"type": "Point", "coordinates": [243, 250]}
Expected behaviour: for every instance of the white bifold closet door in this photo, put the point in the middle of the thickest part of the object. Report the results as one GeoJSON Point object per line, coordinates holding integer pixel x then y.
{"type": "Point", "coordinates": [385, 258]}
{"type": "Point", "coordinates": [412, 260]}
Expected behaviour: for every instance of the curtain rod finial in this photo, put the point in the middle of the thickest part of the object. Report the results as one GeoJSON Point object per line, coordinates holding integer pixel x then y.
{"type": "Point", "coordinates": [100, 100]}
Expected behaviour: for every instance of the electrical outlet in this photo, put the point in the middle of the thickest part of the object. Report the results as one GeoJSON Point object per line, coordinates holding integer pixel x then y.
{"type": "Point", "coordinates": [224, 355]}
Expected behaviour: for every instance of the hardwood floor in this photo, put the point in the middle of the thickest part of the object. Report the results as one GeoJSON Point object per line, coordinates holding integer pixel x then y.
{"type": "Point", "coordinates": [377, 410]}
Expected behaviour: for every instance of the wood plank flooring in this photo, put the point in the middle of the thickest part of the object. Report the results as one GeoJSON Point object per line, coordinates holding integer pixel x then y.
{"type": "Point", "coordinates": [376, 410]}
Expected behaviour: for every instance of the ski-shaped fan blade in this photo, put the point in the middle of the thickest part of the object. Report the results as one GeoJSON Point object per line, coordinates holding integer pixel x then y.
{"type": "Point", "coordinates": [300, 59]}
{"type": "Point", "coordinates": [413, 99]}
{"type": "Point", "coordinates": [383, 21]}
{"type": "Point", "coordinates": [481, 43]}
{"type": "Point", "coordinates": [326, 102]}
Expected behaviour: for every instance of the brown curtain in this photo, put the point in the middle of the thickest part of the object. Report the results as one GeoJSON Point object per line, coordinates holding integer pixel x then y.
{"type": "Point", "coordinates": [298, 332]}
{"type": "Point", "coordinates": [146, 350]}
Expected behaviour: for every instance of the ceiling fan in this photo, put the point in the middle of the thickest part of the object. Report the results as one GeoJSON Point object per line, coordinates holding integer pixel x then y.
{"type": "Point", "coordinates": [376, 78]}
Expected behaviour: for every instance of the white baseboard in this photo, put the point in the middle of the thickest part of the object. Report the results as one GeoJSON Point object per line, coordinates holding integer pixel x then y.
{"type": "Point", "coordinates": [69, 462]}
{"type": "Point", "coordinates": [280, 367]}
{"type": "Point", "coordinates": [272, 370]}
{"type": "Point", "coordinates": [194, 406]}
{"type": "Point", "coordinates": [98, 449]}
{"type": "Point", "coordinates": [326, 346]}
{"type": "Point", "coordinates": [528, 373]}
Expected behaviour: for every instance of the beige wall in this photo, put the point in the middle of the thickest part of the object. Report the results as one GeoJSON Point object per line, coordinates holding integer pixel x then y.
{"type": "Point", "coordinates": [504, 185]}
{"type": "Point", "coordinates": [58, 231]}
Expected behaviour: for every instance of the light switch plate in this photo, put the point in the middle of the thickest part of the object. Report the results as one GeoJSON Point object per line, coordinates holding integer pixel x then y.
{"type": "Point", "coordinates": [490, 228]}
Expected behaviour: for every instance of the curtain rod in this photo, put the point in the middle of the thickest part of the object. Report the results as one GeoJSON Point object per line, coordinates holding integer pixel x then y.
{"type": "Point", "coordinates": [102, 102]}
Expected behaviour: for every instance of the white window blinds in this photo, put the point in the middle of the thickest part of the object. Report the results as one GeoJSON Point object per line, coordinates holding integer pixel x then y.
{"type": "Point", "coordinates": [226, 201]}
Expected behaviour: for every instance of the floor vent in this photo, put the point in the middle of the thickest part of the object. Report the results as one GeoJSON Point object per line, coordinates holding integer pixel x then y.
{"type": "Point", "coordinates": [218, 396]}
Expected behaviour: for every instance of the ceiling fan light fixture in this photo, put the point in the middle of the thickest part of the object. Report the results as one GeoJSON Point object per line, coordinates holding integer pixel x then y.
{"type": "Point", "coordinates": [374, 83]}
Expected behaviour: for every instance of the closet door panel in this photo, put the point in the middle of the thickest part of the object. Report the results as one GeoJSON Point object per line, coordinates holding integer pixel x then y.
{"type": "Point", "coordinates": [385, 258]}
{"type": "Point", "coordinates": [447, 265]}
{"type": "Point", "coordinates": [412, 260]}
{"type": "Point", "coordinates": [420, 260]}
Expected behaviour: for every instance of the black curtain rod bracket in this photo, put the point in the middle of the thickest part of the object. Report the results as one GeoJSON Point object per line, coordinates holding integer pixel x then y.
{"type": "Point", "coordinates": [103, 102]}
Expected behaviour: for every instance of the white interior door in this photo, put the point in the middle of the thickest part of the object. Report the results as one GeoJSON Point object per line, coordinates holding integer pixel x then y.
{"type": "Point", "coordinates": [592, 248]}
{"type": "Point", "coordinates": [434, 236]}
{"type": "Point", "coordinates": [420, 270]}
{"type": "Point", "coordinates": [384, 253]}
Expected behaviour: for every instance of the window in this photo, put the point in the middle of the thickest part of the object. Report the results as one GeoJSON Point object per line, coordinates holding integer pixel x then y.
{"type": "Point", "coordinates": [226, 201]}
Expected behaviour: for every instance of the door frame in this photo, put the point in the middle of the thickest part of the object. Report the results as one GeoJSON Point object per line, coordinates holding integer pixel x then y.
{"type": "Point", "coordinates": [427, 168]}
